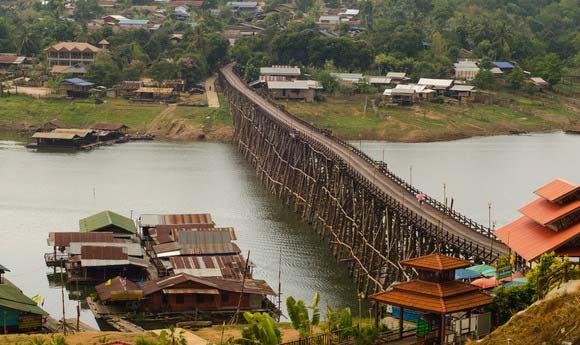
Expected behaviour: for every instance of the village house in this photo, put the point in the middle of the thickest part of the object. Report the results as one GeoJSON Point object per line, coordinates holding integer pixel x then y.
{"type": "Point", "coordinates": [408, 94]}
{"type": "Point", "coordinates": [60, 242]}
{"type": "Point", "coordinates": [18, 313]}
{"type": "Point", "coordinates": [64, 138]}
{"type": "Point", "coordinates": [464, 93]}
{"type": "Point", "coordinates": [239, 7]}
{"type": "Point", "coordinates": [397, 77]}
{"type": "Point", "coordinates": [128, 87]}
{"type": "Point", "coordinates": [347, 79]}
{"type": "Point", "coordinates": [113, 19]}
{"type": "Point", "coordinates": [293, 90]}
{"type": "Point", "coordinates": [377, 80]}
{"type": "Point", "coordinates": [279, 73]}
{"type": "Point", "coordinates": [133, 23]}
{"type": "Point", "coordinates": [539, 82]}
{"type": "Point", "coordinates": [466, 70]}
{"type": "Point", "coordinates": [71, 53]}
{"type": "Point", "coordinates": [155, 94]}
{"type": "Point", "coordinates": [147, 222]}
{"type": "Point", "coordinates": [75, 71]}
{"type": "Point", "coordinates": [11, 60]}
{"type": "Point", "coordinates": [441, 86]}
{"type": "Point", "coordinates": [329, 22]}
{"type": "Point", "coordinates": [551, 222]}
{"type": "Point", "coordinates": [235, 32]}
{"type": "Point", "coordinates": [75, 87]}
{"type": "Point", "coordinates": [503, 66]}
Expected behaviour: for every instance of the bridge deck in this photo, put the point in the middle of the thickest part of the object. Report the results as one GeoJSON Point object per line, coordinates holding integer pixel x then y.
{"type": "Point", "coordinates": [371, 172]}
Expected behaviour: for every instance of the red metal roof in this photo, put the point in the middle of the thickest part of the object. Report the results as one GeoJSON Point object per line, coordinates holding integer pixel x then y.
{"type": "Point", "coordinates": [251, 286]}
{"type": "Point", "coordinates": [64, 239]}
{"type": "Point", "coordinates": [556, 190]}
{"type": "Point", "coordinates": [530, 240]}
{"type": "Point", "coordinates": [436, 262]}
{"type": "Point", "coordinates": [545, 212]}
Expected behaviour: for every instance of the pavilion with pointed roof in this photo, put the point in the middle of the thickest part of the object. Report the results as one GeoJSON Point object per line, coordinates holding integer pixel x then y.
{"type": "Point", "coordinates": [549, 223]}
{"type": "Point", "coordinates": [435, 292]}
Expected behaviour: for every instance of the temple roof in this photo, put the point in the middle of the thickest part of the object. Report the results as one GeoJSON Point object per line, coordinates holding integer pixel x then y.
{"type": "Point", "coordinates": [436, 262]}
{"type": "Point", "coordinates": [556, 190]}
{"type": "Point", "coordinates": [545, 212]}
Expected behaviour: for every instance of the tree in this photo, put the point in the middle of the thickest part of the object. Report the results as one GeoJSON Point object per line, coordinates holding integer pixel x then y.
{"type": "Point", "coordinates": [261, 329]}
{"type": "Point", "coordinates": [163, 70]}
{"type": "Point", "coordinates": [104, 71]}
{"type": "Point", "coordinates": [516, 78]}
{"type": "Point", "coordinates": [550, 68]}
{"type": "Point", "coordinates": [298, 313]}
{"type": "Point", "coordinates": [484, 79]}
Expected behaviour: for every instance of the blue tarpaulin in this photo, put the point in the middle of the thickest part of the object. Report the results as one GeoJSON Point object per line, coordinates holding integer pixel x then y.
{"type": "Point", "coordinates": [77, 81]}
{"type": "Point", "coordinates": [462, 273]}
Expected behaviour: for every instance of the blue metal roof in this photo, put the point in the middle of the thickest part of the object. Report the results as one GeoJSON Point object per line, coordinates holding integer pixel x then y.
{"type": "Point", "coordinates": [503, 64]}
{"type": "Point", "coordinates": [77, 81]}
{"type": "Point", "coordinates": [133, 21]}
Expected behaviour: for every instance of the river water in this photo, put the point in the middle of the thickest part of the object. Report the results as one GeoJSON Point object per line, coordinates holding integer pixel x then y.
{"type": "Point", "coordinates": [43, 192]}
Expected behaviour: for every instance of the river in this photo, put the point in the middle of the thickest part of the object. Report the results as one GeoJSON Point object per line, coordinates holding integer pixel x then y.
{"type": "Point", "coordinates": [43, 192]}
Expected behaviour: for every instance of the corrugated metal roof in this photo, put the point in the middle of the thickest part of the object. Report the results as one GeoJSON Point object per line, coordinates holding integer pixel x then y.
{"type": "Point", "coordinates": [227, 266]}
{"type": "Point", "coordinates": [132, 249]}
{"type": "Point", "coordinates": [280, 71]}
{"type": "Point", "coordinates": [503, 64]}
{"type": "Point", "coordinates": [378, 80]}
{"type": "Point", "coordinates": [544, 212]}
{"type": "Point", "coordinates": [539, 81]}
{"type": "Point", "coordinates": [396, 75]}
{"type": "Point", "coordinates": [250, 287]}
{"type": "Point", "coordinates": [63, 239]}
{"type": "Point", "coordinates": [13, 298]}
{"type": "Point", "coordinates": [556, 190]}
{"type": "Point", "coordinates": [437, 83]}
{"type": "Point", "coordinates": [133, 21]}
{"type": "Point", "coordinates": [161, 90]}
{"type": "Point", "coordinates": [353, 77]}
{"type": "Point", "coordinates": [121, 287]}
{"type": "Point", "coordinates": [107, 218]}
{"type": "Point", "coordinates": [530, 240]}
{"type": "Point", "coordinates": [191, 291]}
{"type": "Point", "coordinates": [152, 220]}
{"type": "Point", "coordinates": [103, 253]}
{"type": "Point", "coordinates": [209, 249]}
{"type": "Point", "coordinates": [78, 131]}
{"type": "Point", "coordinates": [461, 88]}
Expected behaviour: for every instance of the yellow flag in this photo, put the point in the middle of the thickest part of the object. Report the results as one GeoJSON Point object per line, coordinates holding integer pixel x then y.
{"type": "Point", "coordinates": [108, 282]}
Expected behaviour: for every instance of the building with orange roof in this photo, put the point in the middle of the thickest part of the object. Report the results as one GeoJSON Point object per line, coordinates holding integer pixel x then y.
{"type": "Point", "coordinates": [71, 54]}
{"type": "Point", "coordinates": [436, 294]}
{"type": "Point", "coordinates": [549, 223]}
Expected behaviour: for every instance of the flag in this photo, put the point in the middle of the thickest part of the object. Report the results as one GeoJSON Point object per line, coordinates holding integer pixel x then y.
{"type": "Point", "coordinates": [108, 282]}
{"type": "Point", "coordinates": [38, 299]}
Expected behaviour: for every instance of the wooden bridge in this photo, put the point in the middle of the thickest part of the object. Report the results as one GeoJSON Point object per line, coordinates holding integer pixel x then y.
{"type": "Point", "coordinates": [370, 216]}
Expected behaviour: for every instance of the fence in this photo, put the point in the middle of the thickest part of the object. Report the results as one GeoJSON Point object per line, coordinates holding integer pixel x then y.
{"type": "Point", "coordinates": [335, 338]}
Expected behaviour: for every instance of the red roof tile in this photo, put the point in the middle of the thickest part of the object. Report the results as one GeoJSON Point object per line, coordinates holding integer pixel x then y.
{"type": "Point", "coordinates": [436, 262]}
{"type": "Point", "coordinates": [530, 240]}
{"type": "Point", "coordinates": [545, 212]}
{"type": "Point", "coordinates": [446, 289]}
{"type": "Point", "coordinates": [556, 190]}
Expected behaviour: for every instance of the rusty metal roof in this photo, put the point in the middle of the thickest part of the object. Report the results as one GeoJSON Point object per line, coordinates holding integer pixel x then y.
{"type": "Point", "coordinates": [210, 249]}
{"type": "Point", "coordinates": [251, 286]}
{"type": "Point", "coordinates": [545, 212]}
{"type": "Point", "coordinates": [436, 262]}
{"type": "Point", "coordinates": [227, 266]}
{"type": "Point", "coordinates": [63, 239]}
{"type": "Point", "coordinates": [167, 233]}
{"type": "Point", "coordinates": [131, 248]}
{"type": "Point", "coordinates": [556, 190]}
{"type": "Point", "coordinates": [53, 135]}
{"type": "Point", "coordinates": [153, 220]}
{"type": "Point", "coordinates": [202, 236]}
{"type": "Point", "coordinates": [103, 253]}
{"type": "Point", "coordinates": [530, 240]}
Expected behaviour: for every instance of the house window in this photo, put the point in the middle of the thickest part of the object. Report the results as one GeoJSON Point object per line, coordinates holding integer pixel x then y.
{"type": "Point", "coordinates": [225, 298]}
{"type": "Point", "coordinates": [200, 299]}
{"type": "Point", "coordinates": [179, 299]}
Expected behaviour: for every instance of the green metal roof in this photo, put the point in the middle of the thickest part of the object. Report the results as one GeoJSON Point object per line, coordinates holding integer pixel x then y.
{"type": "Point", "coordinates": [106, 218]}
{"type": "Point", "coordinates": [11, 297]}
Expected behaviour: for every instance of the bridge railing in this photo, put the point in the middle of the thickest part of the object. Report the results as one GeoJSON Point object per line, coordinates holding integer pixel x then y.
{"type": "Point", "coordinates": [382, 167]}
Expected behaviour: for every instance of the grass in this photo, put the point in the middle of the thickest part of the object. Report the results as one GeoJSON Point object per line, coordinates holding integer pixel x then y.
{"type": "Point", "coordinates": [512, 112]}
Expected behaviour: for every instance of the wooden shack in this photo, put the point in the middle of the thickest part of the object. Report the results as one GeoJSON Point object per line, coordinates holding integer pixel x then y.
{"type": "Point", "coordinates": [75, 87]}
{"type": "Point", "coordinates": [155, 94]}
{"type": "Point", "coordinates": [464, 93]}
{"type": "Point", "coordinates": [18, 313]}
{"type": "Point", "coordinates": [128, 87]}
{"type": "Point", "coordinates": [108, 221]}
{"type": "Point", "coordinates": [110, 131]}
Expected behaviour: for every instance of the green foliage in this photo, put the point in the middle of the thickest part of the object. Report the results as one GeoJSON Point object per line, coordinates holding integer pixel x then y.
{"type": "Point", "coordinates": [172, 336]}
{"type": "Point", "coordinates": [163, 70]}
{"type": "Point", "coordinates": [261, 329]}
{"type": "Point", "coordinates": [104, 71]}
{"type": "Point", "coordinates": [58, 340]}
{"type": "Point", "coordinates": [36, 341]}
{"type": "Point", "coordinates": [327, 81]}
{"type": "Point", "coordinates": [484, 79]}
{"type": "Point", "coordinates": [298, 313]}
{"type": "Point", "coordinates": [549, 68]}
{"type": "Point", "coordinates": [508, 301]}
{"type": "Point", "coordinates": [366, 335]}
{"type": "Point", "coordinates": [143, 341]}
{"type": "Point", "coordinates": [516, 78]}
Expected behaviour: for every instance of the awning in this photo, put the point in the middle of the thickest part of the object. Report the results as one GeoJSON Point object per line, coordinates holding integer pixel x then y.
{"type": "Point", "coordinates": [191, 291]}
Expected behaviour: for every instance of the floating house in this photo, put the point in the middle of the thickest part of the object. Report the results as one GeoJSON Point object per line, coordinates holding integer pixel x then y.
{"type": "Point", "coordinates": [434, 296]}
{"type": "Point", "coordinates": [110, 131]}
{"type": "Point", "coordinates": [551, 222]}
{"type": "Point", "coordinates": [18, 313]}
{"type": "Point", "coordinates": [61, 241]}
{"type": "Point", "coordinates": [108, 221]}
{"type": "Point", "coordinates": [64, 138]}
{"type": "Point", "coordinates": [197, 220]}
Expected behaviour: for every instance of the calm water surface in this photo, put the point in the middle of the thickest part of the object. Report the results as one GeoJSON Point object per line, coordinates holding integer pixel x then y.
{"type": "Point", "coordinates": [43, 192]}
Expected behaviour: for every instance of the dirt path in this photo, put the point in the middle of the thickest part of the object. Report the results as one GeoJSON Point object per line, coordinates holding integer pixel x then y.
{"type": "Point", "coordinates": [212, 97]}
{"type": "Point", "coordinates": [157, 123]}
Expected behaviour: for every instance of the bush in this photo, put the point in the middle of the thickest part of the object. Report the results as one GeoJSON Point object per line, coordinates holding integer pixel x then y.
{"type": "Point", "coordinates": [438, 100]}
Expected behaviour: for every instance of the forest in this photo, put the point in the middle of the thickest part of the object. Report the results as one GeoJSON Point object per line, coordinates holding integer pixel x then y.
{"type": "Point", "coordinates": [420, 37]}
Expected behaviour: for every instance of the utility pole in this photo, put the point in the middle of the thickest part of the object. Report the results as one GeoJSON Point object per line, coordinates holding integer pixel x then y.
{"type": "Point", "coordinates": [411, 175]}
{"type": "Point", "coordinates": [62, 299]}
